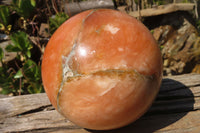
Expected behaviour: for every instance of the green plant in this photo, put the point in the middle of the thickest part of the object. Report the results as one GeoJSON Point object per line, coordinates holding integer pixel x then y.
{"type": "Point", "coordinates": [31, 74]}
{"type": "Point", "coordinates": [24, 8]}
{"type": "Point", "coordinates": [21, 45]}
{"type": "Point", "coordinates": [7, 83]}
{"type": "Point", "coordinates": [5, 19]}
{"type": "Point", "coordinates": [1, 55]}
{"type": "Point", "coordinates": [56, 21]}
{"type": "Point", "coordinates": [27, 78]}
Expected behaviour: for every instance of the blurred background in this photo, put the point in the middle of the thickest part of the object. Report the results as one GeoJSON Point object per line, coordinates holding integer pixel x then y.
{"type": "Point", "coordinates": [27, 25]}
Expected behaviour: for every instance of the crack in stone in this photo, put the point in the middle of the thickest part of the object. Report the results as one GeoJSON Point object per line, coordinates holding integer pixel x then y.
{"type": "Point", "coordinates": [68, 61]}
{"type": "Point", "coordinates": [69, 74]}
{"type": "Point", "coordinates": [113, 72]}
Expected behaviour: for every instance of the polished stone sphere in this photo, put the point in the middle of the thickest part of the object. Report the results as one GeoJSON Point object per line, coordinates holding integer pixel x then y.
{"type": "Point", "coordinates": [102, 69]}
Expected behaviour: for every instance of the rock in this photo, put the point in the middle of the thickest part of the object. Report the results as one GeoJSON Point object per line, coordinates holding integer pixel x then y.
{"type": "Point", "coordinates": [179, 42]}
{"type": "Point", "coordinates": [163, 33]}
{"type": "Point", "coordinates": [44, 30]}
{"type": "Point", "coordinates": [4, 37]}
{"type": "Point", "coordinates": [8, 56]}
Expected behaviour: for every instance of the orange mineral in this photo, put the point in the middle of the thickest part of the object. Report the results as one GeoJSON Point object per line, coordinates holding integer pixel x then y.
{"type": "Point", "coordinates": [102, 69]}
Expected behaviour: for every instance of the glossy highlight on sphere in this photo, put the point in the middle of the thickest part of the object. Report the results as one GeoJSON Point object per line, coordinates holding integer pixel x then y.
{"type": "Point", "coordinates": [102, 69]}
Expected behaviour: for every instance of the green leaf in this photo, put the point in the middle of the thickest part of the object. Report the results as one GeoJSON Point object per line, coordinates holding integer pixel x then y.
{"type": "Point", "coordinates": [2, 27]}
{"type": "Point", "coordinates": [28, 53]}
{"type": "Point", "coordinates": [32, 71]}
{"type": "Point", "coordinates": [11, 48]}
{"type": "Point", "coordinates": [35, 88]}
{"type": "Point", "coordinates": [33, 3]}
{"type": "Point", "coordinates": [7, 81]}
{"type": "Point", "coordinates": [1, 54]}
{"type": "Point", "coordinates": [20, 39]}
{"type": "Point", "coordinates": [18, 74]}
{"type": "Point", "coordinates": [56, 21]}
{"type": "Point", "coordinates": [4, 15]}
{"type": "Point", "coordinates": [21, 44]}
{"type": "Point", "coordinates": [24, 8]}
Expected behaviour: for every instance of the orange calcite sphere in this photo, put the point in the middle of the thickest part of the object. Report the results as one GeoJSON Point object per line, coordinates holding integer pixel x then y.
{"type": "Point", "coordinates": [102, 69]}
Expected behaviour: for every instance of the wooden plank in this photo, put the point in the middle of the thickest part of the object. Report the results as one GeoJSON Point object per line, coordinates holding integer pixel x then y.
{"type": "Point", "coordinates": [167, 123]}
{"type": "Point", "coordinates": [5, 2]}
{"type": "Point", "coordinates": [164, 9]}
{"type": "Point", "coordinates": [13, 106]}
{"type": "Point", "coordinates": [51, 121]}
{"type": "Point", "coordinates": [48, 119]}
{"type": "Point", "coordinates": [176, 109]}
{"type": "Point", "coordinates": [77, 7]}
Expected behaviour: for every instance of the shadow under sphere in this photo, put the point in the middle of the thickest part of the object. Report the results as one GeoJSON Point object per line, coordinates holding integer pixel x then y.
{"type": "Point", "coordinates": [169, 107]}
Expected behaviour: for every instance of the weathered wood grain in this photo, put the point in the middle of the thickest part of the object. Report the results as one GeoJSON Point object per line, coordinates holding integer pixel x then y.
{"type": "Point", "coordinates": [77, 7]}
{"type": "Point", "coordinates": [13, 106]}
{"type": "Point", "coordinates": [176, 109]}
{"type": "Point", "coordinates": [163, 9]}
{"type": "Point", "coordinates": [6, 2]}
